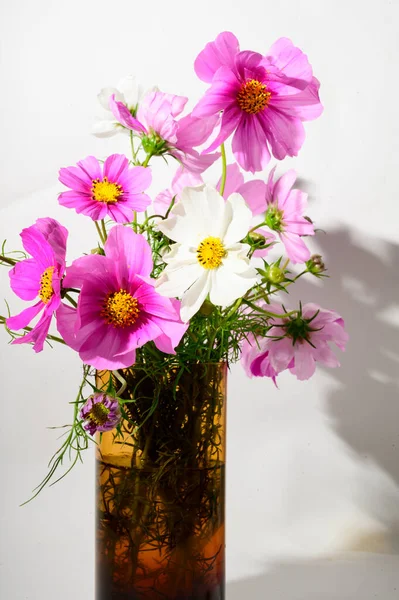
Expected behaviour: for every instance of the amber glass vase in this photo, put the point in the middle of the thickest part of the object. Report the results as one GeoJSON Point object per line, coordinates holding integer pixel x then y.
{"type": "Point", "coordinates": [161, 488]}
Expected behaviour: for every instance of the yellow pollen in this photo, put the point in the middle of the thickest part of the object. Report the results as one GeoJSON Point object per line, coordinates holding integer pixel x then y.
{"type": "Point", "coordinates": [105, 191]}
{"type": "Point", "coordinates": [253, 96]}
{"type": "Point", "coordinates": [99, 413]}
{"type": "Point", "coordinates": [210, 253]}
{"type": "Point", "coordinates": [120, 309]}
{"type": "Point", "coordinates": [46, 285]}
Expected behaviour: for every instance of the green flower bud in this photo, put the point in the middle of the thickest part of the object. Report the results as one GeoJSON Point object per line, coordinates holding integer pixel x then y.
{"type": "Point", "coordinates": [274, 274]}
{"type": "Point", "coordinates": [206, 308]}
{"type": "Point", "coordinates": [97, 250]}
{"type": "Point", "coordinates": [257, 238]}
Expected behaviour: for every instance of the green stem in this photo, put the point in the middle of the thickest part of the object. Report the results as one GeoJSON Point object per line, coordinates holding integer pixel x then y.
{"type": "Point", "coordinates": [256, 227]}
{"type": "Point", "coordinates": [104, 230]}
{"type": "Point", "coordinates": [7, 261]}
{"type": "Point", "coordinates": [53, 338]}
{"type": "Point", "coordinates": [71, 300]}
{"type": "Point", "coordinates": [234, 308]}
{"type": "Point", "coordinates": [268, 313]}
{"type": "Point", "coordinates": [100, 235]}
{"type": "Point", "coordinates": [132, 147]}
{"type": "Point", "coordinates": [147, 160]}
{"type": "Point", "coordinates": [224, 170]}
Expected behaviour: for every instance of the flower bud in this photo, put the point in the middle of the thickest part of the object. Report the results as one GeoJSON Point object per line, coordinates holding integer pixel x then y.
{"type": "Point", "coordinates": [97, 250]}
{"type": "Point", "coordinates": [206, 308]}
{"type": "Point", "coordinates": [257, 238]}
{"type": "Point", "coordinates": [315, 264]}
{"type": "Point", "coordinates": [274, 274]}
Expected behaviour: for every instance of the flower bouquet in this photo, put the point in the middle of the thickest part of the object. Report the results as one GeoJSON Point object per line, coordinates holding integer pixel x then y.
{"type": "Point", "coordinates": [178, 287]}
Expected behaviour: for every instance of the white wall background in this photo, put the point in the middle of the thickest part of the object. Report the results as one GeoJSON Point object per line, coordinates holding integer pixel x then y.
{"type": "Point", "coordinates": [313, 473]}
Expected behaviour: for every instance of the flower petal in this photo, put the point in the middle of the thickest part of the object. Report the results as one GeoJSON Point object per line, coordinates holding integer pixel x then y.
{"type": "Point", "coordinates": [305, 365]}
{"type": "Point", "coordinates": [195, 297]}
{"type": "Point", "coordinates": [250, 145]}
{"type": "Point", "coordinates": [131, 253]}
{"type": "Point", "coordinates": [237, 219]}
{"type": "Point", "coordinates": [216, 54]}
{"type": "Point", "coordinates": [25, 279]}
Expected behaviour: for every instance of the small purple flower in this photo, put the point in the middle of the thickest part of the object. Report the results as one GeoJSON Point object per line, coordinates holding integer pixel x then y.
{"type": "Point", "coordinates": [101, 412]}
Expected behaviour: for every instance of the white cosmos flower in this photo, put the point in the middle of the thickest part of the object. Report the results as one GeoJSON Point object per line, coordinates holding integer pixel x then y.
{"type": "Point", "coordinates": [130, 92]}
{"type": "Point", "coordinates": [208, 257]}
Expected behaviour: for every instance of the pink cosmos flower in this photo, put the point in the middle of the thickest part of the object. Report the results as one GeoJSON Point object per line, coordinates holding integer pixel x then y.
{"type": "Point", "coordinates": [162, 133]}
{"type": "Point", "coordinates": [114, 189]}
{"type": "Point", "coordinates": [118, 309]}
{"type": "Point", "coordinates": [39, 277]}
{"type": "Point", "coordinates": [101, 413]}
{"type": "Point", "coordinates": [264, 99]}
{"type": "Point", "coordinates": [284, 210]}
{"type": "Point", "coordinates": [295, 343]}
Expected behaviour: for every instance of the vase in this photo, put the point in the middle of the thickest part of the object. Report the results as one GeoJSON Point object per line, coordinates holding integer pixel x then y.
{"type": "Point", "coordinates": [161, 487]}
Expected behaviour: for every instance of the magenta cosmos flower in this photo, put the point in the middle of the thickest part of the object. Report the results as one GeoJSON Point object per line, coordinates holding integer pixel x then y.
{"type": "Point", "coordinates": [163, 133]}
{"type": "Point", "coordinates": [283, 209]}
{"type": "Point", "coordinates": [113, 190]}
{"type": "Point", "coordinates": [101, 413]}
{"type": "Point", "coordinates": [295, 343]}
{"type": "Point", "coordinates": [264, 99]}
{"type": "Point", "coordinates": [118, 309]}
{"type": "Point", "coordinates": [39, 277]}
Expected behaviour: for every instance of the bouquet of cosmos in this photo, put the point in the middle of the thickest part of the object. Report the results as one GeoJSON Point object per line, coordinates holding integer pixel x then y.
{"type": "Point", "coordinates": [196, 273]}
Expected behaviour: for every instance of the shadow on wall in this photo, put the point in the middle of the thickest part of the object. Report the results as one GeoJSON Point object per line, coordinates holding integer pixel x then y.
{"type": "Point", "coordinates": [345, 578]}
{"type": "Point", "coordinates": [364, 289]}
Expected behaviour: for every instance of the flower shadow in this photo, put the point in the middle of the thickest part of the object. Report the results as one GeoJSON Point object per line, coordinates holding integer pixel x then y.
{"type": "Point", "coordinates": [363, 288]}
{"type": "Point", "coordinates": [343, 578]}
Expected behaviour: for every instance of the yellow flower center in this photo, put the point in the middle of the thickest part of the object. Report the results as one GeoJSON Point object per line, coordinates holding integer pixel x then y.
{"type": "Point", "coordinates": [99, 413]}
{"type": "Point", "coordinates": [120, 309]}
{"type": "Point", "coordinates": [210, 253]}
{"type": "Point", "coordinates": [253, 96]}
{"type": "Point", "coordinates": [105, 191]}
{"type": "Point", "coordinates": [46, 285]}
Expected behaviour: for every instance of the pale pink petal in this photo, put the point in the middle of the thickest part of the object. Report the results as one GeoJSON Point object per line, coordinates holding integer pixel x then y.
{"type": "Point", "coordinates": [234, 179]}
{"type": "Point", "coordinates": [283, 186]}
{"type": "Point", "coordinates": [291, 61]}
{"type": "Point", "coordinates": [295, 247]}
{"type": "Point", "coordinates": [220, 96]}
{"type": "Point", "coordinates": [284, 134]}
{"type": "Point", "coordinates": [304, 105]}
{"type": "Point", "coordinates": [281, 352]}
{"type": "Point", "coordinates": [250, 144]}
{"type": "Point", "coordinates": [231, 119]}
{"type": "Point", "coordinates": [216, 54]}
{"type": "Point", "coordinates": [305, 365]}
{"type": "Point", "coordinates": [193, 131]}
{"type": "Point", "coordinates": [295, 204]}
{"type": "Point", "coordinates": [123, 116]}
{"type": "Point", "coordinates": [184, 178]}
{"type": "Point", "coordinates": [254, 194]}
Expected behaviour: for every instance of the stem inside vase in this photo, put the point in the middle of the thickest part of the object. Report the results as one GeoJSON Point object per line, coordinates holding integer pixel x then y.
{"type": "Point", "coordinates": [161, 488]}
